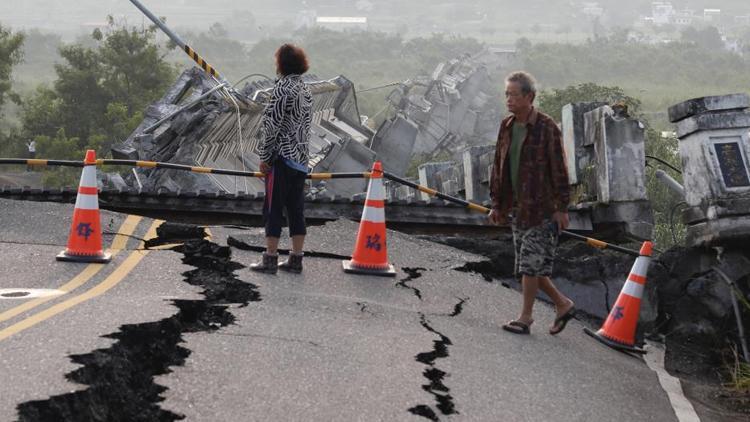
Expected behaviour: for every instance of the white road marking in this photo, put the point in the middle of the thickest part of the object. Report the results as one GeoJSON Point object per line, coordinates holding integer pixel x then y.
{"type": "Point", "coordinates": [683, 409]}
{"type": "Point", "coordinates": [21, 294]}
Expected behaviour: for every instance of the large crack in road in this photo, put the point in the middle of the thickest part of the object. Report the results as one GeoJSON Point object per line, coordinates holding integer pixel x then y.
{"type": "Point", "coordinates": [434, 375]}
{"type": "Point", "coordinates": [412, 274]}
{"type": "Point", "coordinates": [120, 378]}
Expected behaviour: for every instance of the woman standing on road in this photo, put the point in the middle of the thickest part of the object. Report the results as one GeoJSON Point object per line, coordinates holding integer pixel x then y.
{"type": "Point", "coordinates": [284, 156]}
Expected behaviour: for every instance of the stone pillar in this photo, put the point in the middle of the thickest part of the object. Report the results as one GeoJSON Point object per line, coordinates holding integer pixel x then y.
{"type": "Point", "coordinates": [578, 153]}
{"type": "Point", "coordinates": [620, 155]}
{"type": "Point", "coordinates": [451, 180]}
{"type": "Point", "coordinates": [619, 172]}
{"type": "Point", "coordinates": [714, 135]}
{"type": "Point", "coordinates": [428, 176]}
{"type": "Point", "coordinates": [475, 172]}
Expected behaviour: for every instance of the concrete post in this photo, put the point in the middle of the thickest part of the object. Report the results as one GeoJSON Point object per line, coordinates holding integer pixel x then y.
{"type": "Point", "coordinates": [428, 176]}
{"type": "Point", "coordinates": [475, 172]}
{"type": "Point", "coordinates": [578, 153]}
{"type": "Point", "coordinates": [620, 155]}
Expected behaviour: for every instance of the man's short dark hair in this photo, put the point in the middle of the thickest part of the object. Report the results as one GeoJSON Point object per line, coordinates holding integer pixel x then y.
{"type": "Point", "coordinates": [291, 60]}
{"type": "Point", "coordinates": [524, 80]}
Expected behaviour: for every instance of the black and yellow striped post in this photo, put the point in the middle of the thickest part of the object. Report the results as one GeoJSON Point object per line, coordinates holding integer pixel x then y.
{"type": "Point", "coordinates": [201, 62]}
{"type": "Point", "coordinates": [177, 40]}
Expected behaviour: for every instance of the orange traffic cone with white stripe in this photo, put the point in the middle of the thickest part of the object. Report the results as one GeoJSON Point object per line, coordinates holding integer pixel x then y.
{"type": "Point", "coordinates": [370, 252]}
{"type": "Point", "coordinates": [85, 238]}
{"type": "Point", "coordinates": [618, 330]}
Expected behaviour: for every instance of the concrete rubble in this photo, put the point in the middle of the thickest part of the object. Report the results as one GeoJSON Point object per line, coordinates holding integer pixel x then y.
{"type": "Point", "coordinates": [207, 135]}
{"type": "Point", "coordinates": [451, 113]}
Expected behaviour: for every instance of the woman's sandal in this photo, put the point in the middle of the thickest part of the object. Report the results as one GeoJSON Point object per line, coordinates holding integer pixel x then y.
{"type": "Point", "coordinates": [518, 327]}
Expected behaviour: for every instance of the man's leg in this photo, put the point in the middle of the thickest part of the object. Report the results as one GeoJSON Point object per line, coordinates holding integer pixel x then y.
{"type": "Point", "coordinates": [562, 302]}
{"type": "Point", "coordinates": [530, 286]}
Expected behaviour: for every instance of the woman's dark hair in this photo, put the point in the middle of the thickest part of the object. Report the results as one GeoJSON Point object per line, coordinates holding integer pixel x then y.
{"type": "Point", "coordinates": [291, 60]}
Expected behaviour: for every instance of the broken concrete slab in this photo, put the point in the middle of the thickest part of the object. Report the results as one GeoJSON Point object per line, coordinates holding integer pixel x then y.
{"type": "Point", "coordinates": [579, 150]}
{"type": "Point", "coordinates": [696, 106]}
{"type": "Point", "coordinates": [475, 164]}
{"type": "Point", "coordinates": [702, 122]}
{"type": "Point", "coordinates": [219, 133]}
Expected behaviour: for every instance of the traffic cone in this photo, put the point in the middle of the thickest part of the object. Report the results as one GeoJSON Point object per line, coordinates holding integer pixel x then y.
{"type": "Point", "coordinates": [85, 238]}
{"type": "Point", "coordinates": [618, 330]}
{"type": "Point", "coordinates": [370, 252]}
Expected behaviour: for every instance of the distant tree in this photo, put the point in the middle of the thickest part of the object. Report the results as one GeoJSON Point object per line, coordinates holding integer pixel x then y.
{"type": "Point", "coordinates": [552, 101]}
{"type": "Point", "coordinates": [523, 45]}
{"type": "Point", "coordinates": [100, 93]}
{"type": "Point", "coordinates": [438, 48]}
{"type": "Point", "coordinates": [745, 40]}
{"type": "Point", "coordinates": [40, 53]}
{"type": "Point", "coordinates": [11, 54]}
{"type": "Point", "coordinates": [708, 38]}
{"type": "Point", "coordinates": [242, 25]}
{"type": "Point", "coordinates": [224, 52]}
{"type": "Point", "coordinates": [218, 30]}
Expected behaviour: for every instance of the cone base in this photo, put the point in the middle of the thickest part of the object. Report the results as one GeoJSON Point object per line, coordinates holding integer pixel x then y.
{"type": "Point", "coordinates": [386, 272]}
{"type": "Point", "coordinates": [613, 344]}
{"type": "Point", "coordinates": [99, 259]}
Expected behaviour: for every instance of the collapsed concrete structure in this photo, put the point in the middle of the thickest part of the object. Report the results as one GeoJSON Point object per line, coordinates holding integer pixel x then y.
{"type": "Point", "coordinates": [606, 165]}
{"type": "Point", "coordinates": [194, 125]}
{"type": "Point", "coordinates": [220, 132]}
{"type": "Point", "coordinates": [453, 113]}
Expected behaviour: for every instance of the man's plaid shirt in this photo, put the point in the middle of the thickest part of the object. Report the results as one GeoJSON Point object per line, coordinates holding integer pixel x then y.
{"type": "Point", "coordinates": [543, 186]}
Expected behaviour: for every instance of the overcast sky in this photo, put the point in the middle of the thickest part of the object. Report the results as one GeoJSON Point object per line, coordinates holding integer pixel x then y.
{"type": "Point", "coordinates": [78, 16]}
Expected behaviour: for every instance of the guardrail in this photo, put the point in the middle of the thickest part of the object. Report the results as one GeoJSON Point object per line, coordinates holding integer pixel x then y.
{"type": "Point", "coordinates": [599, 244]}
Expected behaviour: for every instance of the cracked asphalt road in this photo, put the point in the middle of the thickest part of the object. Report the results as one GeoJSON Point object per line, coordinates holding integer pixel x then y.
{"type": "Point", "coordinates": [323, 345]}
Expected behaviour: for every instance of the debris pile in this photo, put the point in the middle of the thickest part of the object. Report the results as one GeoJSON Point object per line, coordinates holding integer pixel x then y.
{"type": "Point", "coordinates": [197, 125]}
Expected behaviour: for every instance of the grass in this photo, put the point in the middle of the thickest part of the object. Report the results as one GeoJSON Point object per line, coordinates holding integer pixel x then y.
{"type": "Point", "coordinates": [739, 372]}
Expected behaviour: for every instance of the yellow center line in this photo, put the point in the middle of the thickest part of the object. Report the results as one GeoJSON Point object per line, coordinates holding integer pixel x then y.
{"type": "Point", "coordinates": [111, 281]}
{"type": "Point", "coordinates": [119, 243]}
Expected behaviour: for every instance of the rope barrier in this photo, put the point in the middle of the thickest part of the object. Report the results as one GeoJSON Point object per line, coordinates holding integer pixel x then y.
{"type": "Point", "coordinates": [599, 244]}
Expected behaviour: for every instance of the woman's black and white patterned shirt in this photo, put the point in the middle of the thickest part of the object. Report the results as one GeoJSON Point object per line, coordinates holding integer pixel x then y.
{"type": "Point", "coordinates": [286, 122]}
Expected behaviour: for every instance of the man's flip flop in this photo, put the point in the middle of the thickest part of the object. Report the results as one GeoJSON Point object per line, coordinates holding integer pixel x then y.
{"type": "Point", "coordinates": [562, 321]}
{"type": "Point", "coordinates": [517, 327]}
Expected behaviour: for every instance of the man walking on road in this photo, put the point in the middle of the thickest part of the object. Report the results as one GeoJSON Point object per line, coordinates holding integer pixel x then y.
{"type": "Point", "coordinates": [529, 187]}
